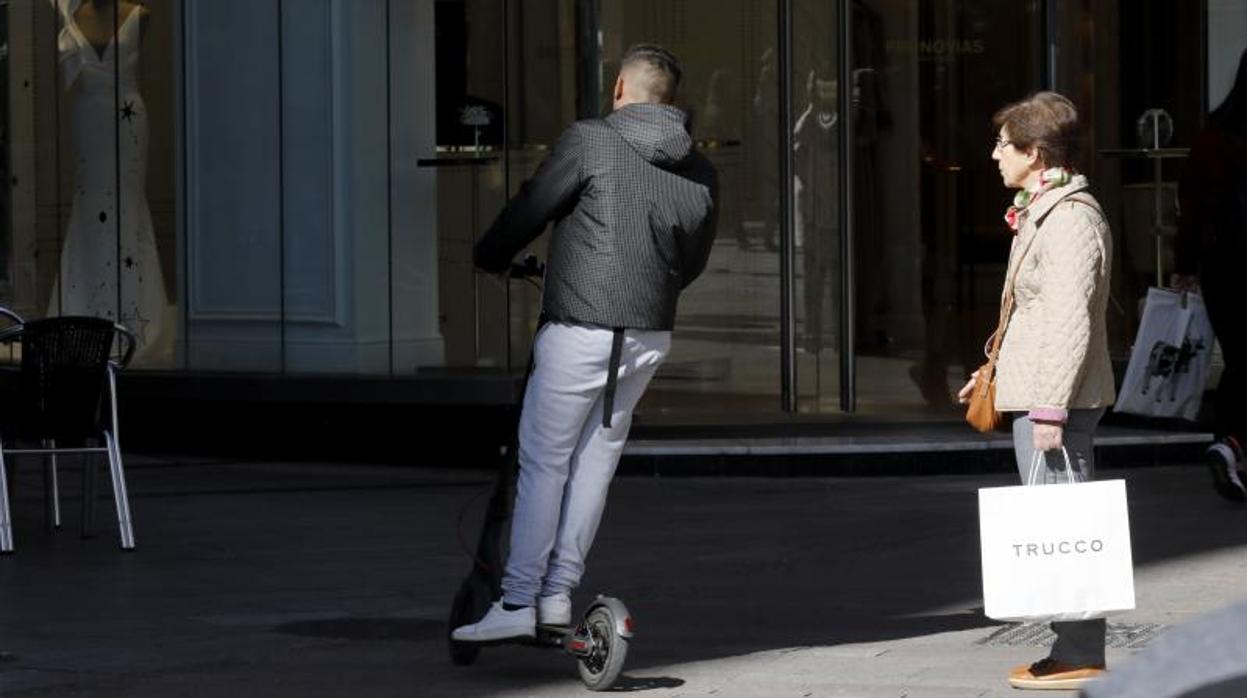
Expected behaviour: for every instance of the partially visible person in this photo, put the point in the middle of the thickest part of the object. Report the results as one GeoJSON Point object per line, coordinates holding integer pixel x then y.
{"type": "Point", "coordinates": [1211, 257]}
{"type": "Point", "coordinates": [817, 187]}
{"type": "Point", "coordinates": [1053, 372]}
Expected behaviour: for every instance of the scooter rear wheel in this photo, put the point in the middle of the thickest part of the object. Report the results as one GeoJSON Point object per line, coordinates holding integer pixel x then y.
{"type": "Point", "coordinates": [466, 609]}
{"type": "Point", "coordinates": [601, 668]}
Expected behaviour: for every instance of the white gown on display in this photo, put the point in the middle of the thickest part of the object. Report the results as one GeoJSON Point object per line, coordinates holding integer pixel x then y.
{"type": "Point", "coordinates": [97, 245]}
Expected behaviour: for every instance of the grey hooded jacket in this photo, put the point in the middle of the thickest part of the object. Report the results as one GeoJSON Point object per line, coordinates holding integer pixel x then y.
{"type": "Point", "coordinates": [634, 207]}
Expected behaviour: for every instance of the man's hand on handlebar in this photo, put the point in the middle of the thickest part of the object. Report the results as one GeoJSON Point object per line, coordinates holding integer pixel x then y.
{"type": "Point", "coordinates": [530, 267]}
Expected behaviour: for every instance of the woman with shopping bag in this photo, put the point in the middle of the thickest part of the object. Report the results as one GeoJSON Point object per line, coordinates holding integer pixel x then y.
{"type": "Point", "coordinates": [1049, 356]}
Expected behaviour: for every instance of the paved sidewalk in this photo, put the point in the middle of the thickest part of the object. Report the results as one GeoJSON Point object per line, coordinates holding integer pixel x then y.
{"type": "Point", "coordinates": [335, 580]}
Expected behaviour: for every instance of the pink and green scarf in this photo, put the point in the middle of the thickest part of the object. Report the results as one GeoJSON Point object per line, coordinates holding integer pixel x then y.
{"type": "Point", "coordinates": [1048, 179]}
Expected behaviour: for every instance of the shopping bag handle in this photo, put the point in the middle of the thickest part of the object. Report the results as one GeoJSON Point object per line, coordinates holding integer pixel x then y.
{"type": "Point", "coordinates": [1038, 459]}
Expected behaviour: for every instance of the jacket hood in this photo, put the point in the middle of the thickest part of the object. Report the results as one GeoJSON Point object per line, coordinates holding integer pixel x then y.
{"type": "Point", "coordinates": [655, 131]}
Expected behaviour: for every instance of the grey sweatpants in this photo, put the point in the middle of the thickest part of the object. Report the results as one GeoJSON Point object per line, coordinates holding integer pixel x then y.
{"type": "Point", "coordinates": [567, 457]}
{"type": "Point", "coordinates": [1077, 642]}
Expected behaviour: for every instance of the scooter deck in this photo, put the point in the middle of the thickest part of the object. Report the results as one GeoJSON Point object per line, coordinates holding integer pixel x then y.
{"type": "Point", "coordinates": [552, 636]}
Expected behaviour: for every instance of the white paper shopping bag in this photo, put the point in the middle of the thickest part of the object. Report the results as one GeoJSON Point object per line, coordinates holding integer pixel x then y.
{"type": "Point", "coordinates": [1170, 359]}
{"type": "Point", "coordinates": [1056, 552]}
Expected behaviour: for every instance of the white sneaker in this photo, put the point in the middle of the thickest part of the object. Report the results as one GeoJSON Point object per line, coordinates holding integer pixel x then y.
{"type": "Point", "coordinates": [499, 624]}
{"type": "Point", "coordinates": [554, 610]}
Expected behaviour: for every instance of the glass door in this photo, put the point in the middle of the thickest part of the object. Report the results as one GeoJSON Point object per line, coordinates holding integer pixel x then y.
{"type": "Point", "coordinates": [817, 126]}
{"type": "Point", "coordinates": [928, 244]}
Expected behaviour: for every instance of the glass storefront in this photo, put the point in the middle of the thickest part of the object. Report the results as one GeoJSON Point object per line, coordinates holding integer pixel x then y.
{"type": "Point", "coordinates": [294, 188]}
{"type": "Point", "coordinates": [927, 253]}
{"type": "Point", "coordinates": [931, 248]}
{"type": "Point", "coordinates": [90, 224]}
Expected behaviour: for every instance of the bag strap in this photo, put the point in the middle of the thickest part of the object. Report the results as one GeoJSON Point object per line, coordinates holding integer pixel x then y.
{"type": "Point", "coordinates": [1006, 311]}
{"type": "Point", "coordinates": [1039, 460]}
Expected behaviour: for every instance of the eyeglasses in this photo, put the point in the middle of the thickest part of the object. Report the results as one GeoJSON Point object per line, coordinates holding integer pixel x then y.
{"type": "Point", "coordinates": [998, 143]}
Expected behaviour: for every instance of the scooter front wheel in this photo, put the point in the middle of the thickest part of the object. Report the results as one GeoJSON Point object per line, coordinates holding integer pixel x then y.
{"type": "Point", "coordinates": [600, 668]}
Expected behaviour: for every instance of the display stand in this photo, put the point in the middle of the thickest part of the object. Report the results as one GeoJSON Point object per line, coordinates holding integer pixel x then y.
{"type": "Point", "coordinates": [1160, 231]}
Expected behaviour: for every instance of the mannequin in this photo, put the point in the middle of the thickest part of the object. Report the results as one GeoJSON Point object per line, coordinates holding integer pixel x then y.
{"type": "Point", "coordinates": [96, 20]}
{"type": "Point", "coordinates": [109, 266]}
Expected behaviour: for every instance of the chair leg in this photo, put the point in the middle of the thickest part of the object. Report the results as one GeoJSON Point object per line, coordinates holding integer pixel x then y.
{"type": "Point", "coordinates": [52, 489]}
{"type": "Point", "coordinates": [89, 467]}
{"type": "Point", "coordinates": [120, 494]}
{"type": "Point", "coordinates": [6, 523]}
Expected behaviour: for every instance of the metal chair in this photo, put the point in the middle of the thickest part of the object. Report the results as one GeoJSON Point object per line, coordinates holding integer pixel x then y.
{"type": "Point", "coordinates": [61, 405]}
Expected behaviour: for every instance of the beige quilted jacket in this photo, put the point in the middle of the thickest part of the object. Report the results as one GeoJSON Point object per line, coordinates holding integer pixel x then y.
{"type": "Point", "coordinates": [1054, 355]}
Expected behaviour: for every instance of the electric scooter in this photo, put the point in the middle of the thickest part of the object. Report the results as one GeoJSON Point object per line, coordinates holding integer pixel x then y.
{"type": "Point", "coordinates": [598, 638]}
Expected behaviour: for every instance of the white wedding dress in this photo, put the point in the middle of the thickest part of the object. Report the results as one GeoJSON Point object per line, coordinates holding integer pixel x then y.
{"type": "Point", "coordinates": [105, 246]}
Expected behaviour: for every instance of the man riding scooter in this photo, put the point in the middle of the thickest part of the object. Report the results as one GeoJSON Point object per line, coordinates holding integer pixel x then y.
{"type": "Point", "coordinates": [634, 206]}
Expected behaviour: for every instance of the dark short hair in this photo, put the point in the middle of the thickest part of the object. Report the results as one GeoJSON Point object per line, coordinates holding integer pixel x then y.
{"type": "Point", "coordinates": [662, 68]}
{"type": "Point", "coordinates": [1046, 121]}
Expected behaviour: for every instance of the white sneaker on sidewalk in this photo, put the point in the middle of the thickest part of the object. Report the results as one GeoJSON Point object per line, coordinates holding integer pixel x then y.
{"type": "Point", "coordinates": [554, 610]}
{"type": "Point", "coordinates": [499, 624]}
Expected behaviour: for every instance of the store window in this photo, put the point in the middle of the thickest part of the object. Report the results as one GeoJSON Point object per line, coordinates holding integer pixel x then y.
{"type": "Point", "coordinates": [90, 213]}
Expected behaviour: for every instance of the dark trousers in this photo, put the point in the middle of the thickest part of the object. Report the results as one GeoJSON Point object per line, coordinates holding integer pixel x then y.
{"type": "Point", "coordinates": [1223, 288]}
